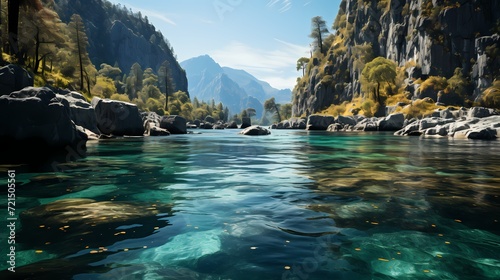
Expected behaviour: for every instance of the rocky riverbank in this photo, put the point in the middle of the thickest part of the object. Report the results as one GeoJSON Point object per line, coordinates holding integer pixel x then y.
{"type": "Point", "coordinates": [463, 123]}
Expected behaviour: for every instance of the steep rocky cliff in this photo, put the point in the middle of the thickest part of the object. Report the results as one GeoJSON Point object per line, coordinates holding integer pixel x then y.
{"type": "Point", "coordinates": [118, 37]}
{"type": "Point", "coordinates": [424, 37]}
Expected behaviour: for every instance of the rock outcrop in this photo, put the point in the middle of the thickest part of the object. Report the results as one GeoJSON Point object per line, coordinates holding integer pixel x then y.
{"type": "Point", "coordinates": [480, 123]}
{"type": "Point", "coordinates": [427, 37]}
{"type": "Point", "coordinates": [35, 121]}
{"type": "Point", "coordinates": [117, 118]}
{"type": "Point", "coordinates": [255, 130]}
{"type": "Point", "coordinates": [14, 77]}
{"type": "Point", "coordinates": [174, 124]}
{"type": "Point", "coordinates": [318, 122]}
{"type": "Point", "coordinates": [82, 113]}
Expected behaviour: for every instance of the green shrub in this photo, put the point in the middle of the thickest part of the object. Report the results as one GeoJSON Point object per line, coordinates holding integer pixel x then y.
{"type": "Point", "coordinates": [491, 96]}
{"type": "Point", "coordinates": [120, 97]}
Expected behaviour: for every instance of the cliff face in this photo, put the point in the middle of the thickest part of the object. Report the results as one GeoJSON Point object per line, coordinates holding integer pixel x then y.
{"type": "Point", "coordinates": [118, 37]}
{"type": "Point", "coordinates": [429, 37]}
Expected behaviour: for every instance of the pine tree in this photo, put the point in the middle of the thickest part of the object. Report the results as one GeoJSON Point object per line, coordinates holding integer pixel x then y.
{"type": "Point", "coordinates": [318, 31]}
{"type": "Point", "coordinates": [80, 39]}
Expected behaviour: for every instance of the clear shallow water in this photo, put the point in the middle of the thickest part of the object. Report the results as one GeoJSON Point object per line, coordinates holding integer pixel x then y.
{"type": "Point", "coordinates": [292, 205]}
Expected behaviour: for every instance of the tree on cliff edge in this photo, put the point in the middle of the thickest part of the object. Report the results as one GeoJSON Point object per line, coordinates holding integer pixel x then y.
{"type": "Point", "coordinates": [318, 31]}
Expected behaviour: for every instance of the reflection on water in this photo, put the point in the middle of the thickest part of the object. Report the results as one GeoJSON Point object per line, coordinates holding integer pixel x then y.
{"type": "Point", "coordinates": [292, 205]}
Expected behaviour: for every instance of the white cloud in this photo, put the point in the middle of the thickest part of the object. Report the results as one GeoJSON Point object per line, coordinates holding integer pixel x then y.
{"type": "Point", "coordinates": [276, 66]}
{"type": "Point", "coordinates": [285, 5]}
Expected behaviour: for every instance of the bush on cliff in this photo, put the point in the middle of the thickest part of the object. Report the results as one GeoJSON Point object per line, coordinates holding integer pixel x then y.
{"type": "Point", "coordinates": [491, 96]}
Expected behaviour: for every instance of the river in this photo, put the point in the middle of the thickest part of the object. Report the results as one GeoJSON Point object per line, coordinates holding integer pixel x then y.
{"type": "Point", "coordinates": [291, 205]}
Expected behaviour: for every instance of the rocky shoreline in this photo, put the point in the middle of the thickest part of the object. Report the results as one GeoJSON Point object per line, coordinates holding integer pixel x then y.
{"type": "Point", "coordinates": [45, 119]}
{"type": "Point", "coordinates": [473, 123]}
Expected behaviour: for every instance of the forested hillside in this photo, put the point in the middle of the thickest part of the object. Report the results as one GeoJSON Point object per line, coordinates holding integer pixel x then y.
{"type": "Point", "coordinates": [101, 52]}
{"type": "Point", "coordinates": [429, 54]}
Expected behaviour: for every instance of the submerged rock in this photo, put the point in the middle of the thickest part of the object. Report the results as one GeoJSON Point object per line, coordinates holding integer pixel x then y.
{"type": "Point", "coordinates": [255, 130]}
{"type": "Point", "coordinates": [69, 224]}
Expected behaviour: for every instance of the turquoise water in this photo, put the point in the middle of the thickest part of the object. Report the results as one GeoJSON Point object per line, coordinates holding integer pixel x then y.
{"type": "Point", "coordinates": [292, 205]}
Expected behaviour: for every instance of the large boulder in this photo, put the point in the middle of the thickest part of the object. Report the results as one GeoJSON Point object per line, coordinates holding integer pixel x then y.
{"type": "Point", "coordinates": [393, 122]}
{"type": "Point", "coordinates": [117, 117]}
{"type": "Point", "coordinates": [82, 113]}
{"type": "Point", "coordinates": [346, 120]}
{"type": "Point", "coordinates": [255, 130]}
{"type": "Point", "coordinates": [34, 120]}
{"type": "Point", "coordinates": [13, 78]}
{"type": "Point", "coordinates": [174, 124]}
{"type": "Point", "coordinates": [480, 112]}
{"type": "Point", "coordinates": [319, 122]}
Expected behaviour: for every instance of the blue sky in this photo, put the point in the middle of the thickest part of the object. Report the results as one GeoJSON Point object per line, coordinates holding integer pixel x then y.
{"type": "Point", "coordinates": [263, 37]}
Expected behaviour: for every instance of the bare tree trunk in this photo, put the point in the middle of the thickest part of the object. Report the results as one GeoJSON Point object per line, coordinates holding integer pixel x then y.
{"type": "Point", "coordinates": [13, 23]}
{"type": "Point", "coordinates": [79, 54]}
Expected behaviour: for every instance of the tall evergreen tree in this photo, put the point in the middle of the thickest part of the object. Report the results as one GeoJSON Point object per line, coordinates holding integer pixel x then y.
{"type": "Point", "coordinates": [318, 31]}
{"type": "Point", "coordinates": [80, 39]}
{"type": "Point", "coordinates": [166, 81]}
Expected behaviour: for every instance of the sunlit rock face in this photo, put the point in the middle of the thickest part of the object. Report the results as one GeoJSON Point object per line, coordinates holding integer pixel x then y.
{"type": "Point", "coordinates": [73, 222]}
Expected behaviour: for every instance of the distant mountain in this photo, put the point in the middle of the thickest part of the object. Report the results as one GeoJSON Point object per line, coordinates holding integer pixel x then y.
{"type": "Point", "coordinates": [259, 89]}
{"type": "Point", "coordinates": [236, 89]}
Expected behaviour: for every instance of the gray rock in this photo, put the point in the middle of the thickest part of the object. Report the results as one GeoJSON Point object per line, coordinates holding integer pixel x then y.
{"type": "Point", "coordinates": [117, 118]}
{"type": "Point", "coordinates": [174, 124]}
{"type": "Point", "coordinates": [157, 131]}
{"type": "Point", "coordinates": [318, 122]}
{"type": "Point", "coordinates": [484, 133]}
{"type": "Point", "coordinates": [209, 119]}
{"type": "Point", "coordinates": [255, 130]}
{"type": "Point", "coordinates": [82, 113]}
{"type": "Point", "coordinates": [480, 112]}
{"type": "Point", "coordinates": [232, 125]}
{"type": "Point", "coordinates": [392, 122]}
{"type": "Point", "coordinates": [345, 120]}
{"type": "Point", "coordinates": [14, 78]}
{"type": "Point", "coordinates": [34, 119]}
{"type": "Point", "coordinates": [335, 127]}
